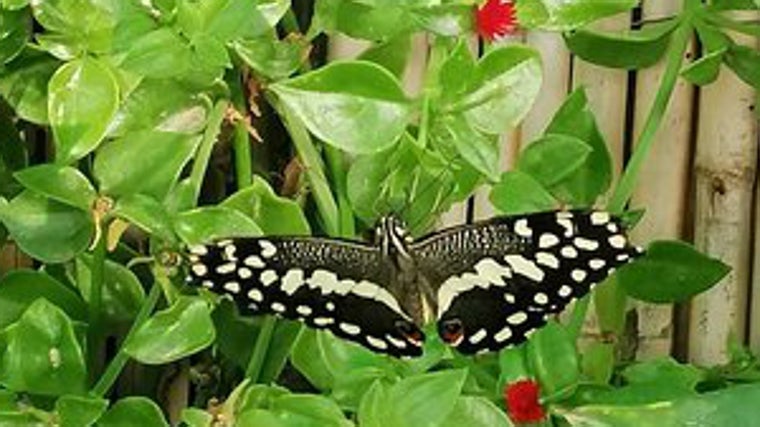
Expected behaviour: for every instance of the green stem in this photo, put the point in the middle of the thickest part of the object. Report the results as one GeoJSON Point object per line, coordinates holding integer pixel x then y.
{"type": "Point", "coordinates": [242, 147]}
{"type": "Point", "coordinates": [207, 145]}
{"type": "Point", "coordinates": [749, 28]}
{"type": "Point", "coordinates": [314, 168]}
{"type": "Point", "coordinates": [338, 173]}
{"type": "Point", "coordinates": [97, 279]}
{"type": "Point", "coordinates": [256, 362]}
{"type": "Point", "coordinates": [578, 317]}
{"type": "Point", "coordinates": [114, 368]}
{"type": "Point", "coordinates": [627, 184]}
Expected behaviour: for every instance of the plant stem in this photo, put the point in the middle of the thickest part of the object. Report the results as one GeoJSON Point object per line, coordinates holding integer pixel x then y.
{"type": "Point", "coordinates": [242, 147]}
{"type": "Point", "coordinates": [97, 278]}
{"type": "Point", "coordinates": [256, 362]}
{"type": "Point", "coordinates": [338, 173]}
{"type": "Point", "coordinates": [646, 139]}
{"type": "Point", "coordinates": [207, 145]}
{"type": "Point", "coordinates": [114, 368]}
{"type": "Point", "coordinates": [307, 152]}
{"type": "Point", "coordinates": [610, 304]}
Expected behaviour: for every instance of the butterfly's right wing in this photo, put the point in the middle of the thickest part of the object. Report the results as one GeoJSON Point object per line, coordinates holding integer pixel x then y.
{"type": "Point", "coordinates": [328, 284]}
{"type": "Point", "coordinates": [498, 280]}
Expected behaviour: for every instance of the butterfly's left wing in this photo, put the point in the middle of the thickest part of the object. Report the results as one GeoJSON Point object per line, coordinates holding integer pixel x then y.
{"type": "Point", "coordinates": [499, 280]}
{"type": "Point", "coordinates": [326, 283]}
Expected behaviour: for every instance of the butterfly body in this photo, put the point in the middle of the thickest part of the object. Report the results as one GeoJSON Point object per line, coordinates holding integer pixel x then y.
{"type": "Point", "coordinates": [487, 285]}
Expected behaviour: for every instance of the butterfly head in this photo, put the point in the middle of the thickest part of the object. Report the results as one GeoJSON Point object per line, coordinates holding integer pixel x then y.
{"type": "Point", "coordinates": [392, 235]}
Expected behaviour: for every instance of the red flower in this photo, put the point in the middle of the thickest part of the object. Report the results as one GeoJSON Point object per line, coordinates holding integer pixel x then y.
{"type": "Point", "coordinates": [496, 19]}
{"type": "Point", "coordinates": [521, 398]}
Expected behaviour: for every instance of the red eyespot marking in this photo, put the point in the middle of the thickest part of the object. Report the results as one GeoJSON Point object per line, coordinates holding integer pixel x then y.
{"type": "Point", "coordinates": [452, 331]}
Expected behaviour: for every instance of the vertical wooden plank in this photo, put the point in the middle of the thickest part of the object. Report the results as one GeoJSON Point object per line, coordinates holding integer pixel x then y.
{"type": "Point", "coordinates": [726, 157]}
{"type": "Point", "coordinates": [664, 183]}
{"type": "Point", "coordinates": [556, 80]}
{"type": "Point", "coordinates": [606, 89]}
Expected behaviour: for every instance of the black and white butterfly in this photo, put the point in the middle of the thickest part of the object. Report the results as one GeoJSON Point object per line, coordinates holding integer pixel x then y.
{"type": "Point", "coordinates": [488, 285]}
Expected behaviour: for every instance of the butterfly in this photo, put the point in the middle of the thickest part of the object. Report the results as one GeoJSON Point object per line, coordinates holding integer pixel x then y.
{"type": "Point", "coordinates": [487, 285]}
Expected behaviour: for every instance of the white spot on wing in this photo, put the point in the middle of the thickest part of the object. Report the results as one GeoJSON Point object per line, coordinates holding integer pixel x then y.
{"type": "Point", "coordinates": [617, 241]}
{"type": "Point", "coordinates": [585, 244]}
{"type": "Point", "coordinates": [323, 321]}
{"type": "Point", "coordinates": [198, 250]}
{"type": "Point", "coordinates": [503, 334]}
{"type": "Point", "coordinates": [199, 269]}
{"type": "Point", "coordinates": [244, 273]}
{"type": "Point", "coordinates": [229, 253]}
{"type": "Point", "coordinates": [541, 298]}
{"type": "Point", "coordinates": [233, 287]}
{"type": "Point", "coordinates": [547, 240]}
{"type": "Point", "coordinates": [395, 341]}
{"type": "Point", "coordinates": [268, 249]}
{"type": "Point", "coordinates": [377, 343]}
{"type": "Point", "coordinates": [522, 228]}
{"type": "Point", "coordinates": [517, 318]}
{"type": "Point", "coordinates": [600, 218]}
{"type": "Point", "coordinates": [525, 267]}
{"type": "Point", "coordinates": [567, 225]}
{"type": "Point", "coordinates": [349, 328]}
{"type": "Point", "coordinates": [226, 268]}
{"type": "Point", "coordinates": [254, 261]}
{"type": "Point", "coordinates": [578, 275]}
{"type": "Point", "coordinates": [268, 277]}
{"type": "Point", "coordinates": [565, 291]}
{"type": "Point", "coordinates": [478, 336]}
{"type": "Point", "coordinates": [255, 295]}
{"type": "Point", "coordinates": [292, 280]}
{"type": "Point", "coordinates": [547, 259]}
{"type": "Point", "coordinates": [303, 310]}
{"type": "Point", "coordinates": [568, 252]}
{"type": "Point", "coordinates": [596, 263]}
{"type": "Point", "coordinates": [278, 307]}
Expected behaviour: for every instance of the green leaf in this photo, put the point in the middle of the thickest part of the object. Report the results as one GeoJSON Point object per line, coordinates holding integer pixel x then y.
{"type": "Point", "coordinates": [275, 215]}
{"type": "Point", "coordinates": [356, 106]}
{"type": "Point", "coordinates": [552, 355]}
{"type": "Point", "coordinates": [373, 408]}
{"type": "Point", "coordinates": [591, 179]}
{"type": "Point", "coordinates": [133, 411]}
{"type": "Point", "coordinates": [183, 329]}
{"type": "Point", "coordinates": [318, 409]}
{"type": "Point", "coordinates": [61, 183]}
{"type": "Point", "coordinates": [84, 96]}
{"type": "Point", "coordinates": [704, 70]}
{"type": "Point", "coordinates": [664, 371]}
{"type": "Point", "coordinates": [727, 407]}
{"type": "Point", "coordinates": [195, 417]}
{"type": "Point", "coordinates": [391, 55]}
{"type": "Point", "coordinates": [88, 23]}
{"type": "Point", "coordinates": [562, 16]}
{"type": "Point", "coordinates": [14, 4]}
{"type": "Point", "coordinates": [146, 213]}
{"type": "Point", "coordinates": [40, 353]}
{"type": "Point", "coordinates": [479, 150]}
{"type": "Point", "coordinates": [472, 411]}
{"type": "Point", "coordinates": [230, 19]}
{"type": "Point", "coordinates": [24, 85]}
{"type": "Point", "coordinates": [163, 106]}
{"type": "Point", "coordinates": [670, 271]}
{"type": "Point", "coordinates": [553, 158]}
{"type": "Point", "coordinates": [518, 193]}
{"type": "Point", "coordinates": [269, 57]}
{"type": "Point", "coordinates": [598, 362]}
{"type": "Point", "coordinates": [369, 22]}
{"type": "Point", "coordinates": [212, 223]}
{"type": "Point", "coordinates": [509, 79]}
{"type": "Point", "coordinates": [16, 27]}
{"type": "Point", "coordinates": [448, 20]}
{"type": "Point", "coordinates": [745, 62]}
{"type": "Point", "coordinates": [160, 54]}
{"type": "Point", "coordinates": [425, 399]}
{"type": "Point", "coordinates": [45, 229]}
{"type": "Point", "coordinates": [76, 411]}
{"type": "Point", "coordinates": [632, 50]}
{"type": "Point", "coordinates": [146, 162]}
{"type": "Point", "coordinates": [123, 295]}
{"type": "Point", "coordinates": [20, 288]}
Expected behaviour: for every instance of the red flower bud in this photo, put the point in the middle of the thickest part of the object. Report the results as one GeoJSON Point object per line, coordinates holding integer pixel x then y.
{"type": "Point", "coordinates": [521, 398]}
{"type": "Point", "coordinates": [496, 19]}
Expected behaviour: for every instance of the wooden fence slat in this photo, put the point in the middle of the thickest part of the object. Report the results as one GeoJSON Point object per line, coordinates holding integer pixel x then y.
{"type": "Point", "coordinates": [725, 166]}
{"type": "Point", "coordinates": [556, 81]}
{"type": "Point", "coordinates": [663, 185]}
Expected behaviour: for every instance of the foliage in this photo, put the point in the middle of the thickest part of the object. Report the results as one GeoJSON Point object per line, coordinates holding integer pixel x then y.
{"type": "Point", "coordinates": [118, 120]}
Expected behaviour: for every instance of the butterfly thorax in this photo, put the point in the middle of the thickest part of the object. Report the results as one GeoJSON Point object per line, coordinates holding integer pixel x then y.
{"type": "Point", "coordinates": [406, 284]}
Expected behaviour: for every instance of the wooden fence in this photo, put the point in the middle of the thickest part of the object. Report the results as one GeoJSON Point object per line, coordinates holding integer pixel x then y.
{"type": "Point", "coordinates": [698, 183]}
